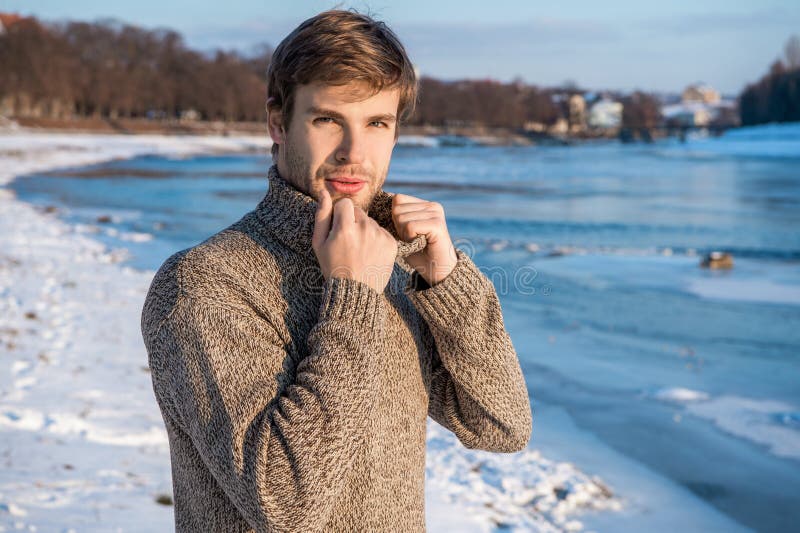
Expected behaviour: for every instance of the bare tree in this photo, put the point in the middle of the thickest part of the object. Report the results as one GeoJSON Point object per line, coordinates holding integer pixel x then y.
{"type": "Point", "coordinates": [110, 69]}
{"type": "Point", "coordinates": [640, 111]}
{"type": "Point", "coordinates": [792, 52]}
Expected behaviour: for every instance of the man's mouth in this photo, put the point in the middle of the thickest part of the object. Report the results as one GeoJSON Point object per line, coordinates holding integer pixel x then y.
{"type": "Point", "coordinates": [346, 179]}
{"type": "Point", "coordinates": [346, 184]}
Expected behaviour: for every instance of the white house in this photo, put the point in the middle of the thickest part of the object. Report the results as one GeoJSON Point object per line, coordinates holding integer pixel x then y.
{"type": "Point", "coordinates": [689, 114]}
{"type": "Point", "coordinates": [605, 114]}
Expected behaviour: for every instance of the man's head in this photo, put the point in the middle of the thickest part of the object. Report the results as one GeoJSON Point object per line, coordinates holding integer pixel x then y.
{"type": "Point", "coordinates": [338, 85]}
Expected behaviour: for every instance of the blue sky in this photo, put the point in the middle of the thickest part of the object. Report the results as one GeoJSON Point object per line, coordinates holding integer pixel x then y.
{"type": "Point", "coordinates": [614, 44]}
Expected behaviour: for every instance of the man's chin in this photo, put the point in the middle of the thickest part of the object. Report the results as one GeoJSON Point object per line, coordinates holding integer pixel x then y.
{"type": "Point", "coordinates": [362, 198]}
{"type": "Point", "coordinates": [358, 199]}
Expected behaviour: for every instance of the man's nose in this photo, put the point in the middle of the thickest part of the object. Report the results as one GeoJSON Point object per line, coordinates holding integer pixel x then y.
{"type": "Point", "coordinates": [351, 149]}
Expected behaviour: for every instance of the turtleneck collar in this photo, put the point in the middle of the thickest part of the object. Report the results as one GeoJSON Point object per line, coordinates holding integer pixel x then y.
{"type": "Point", "coordinates": [288, 213]}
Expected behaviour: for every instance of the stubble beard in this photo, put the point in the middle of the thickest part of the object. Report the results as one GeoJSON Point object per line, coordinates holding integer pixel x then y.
{"type": "Point", "coordinates": [300, 175]}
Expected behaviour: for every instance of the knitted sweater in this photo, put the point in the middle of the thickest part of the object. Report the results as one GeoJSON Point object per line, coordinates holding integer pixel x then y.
{"type": "Point", "coordinates": [295, 403]}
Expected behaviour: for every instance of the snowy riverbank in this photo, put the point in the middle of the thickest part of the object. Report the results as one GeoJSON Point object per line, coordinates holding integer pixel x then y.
{"type": "Point", "coordinates": [83, 445]}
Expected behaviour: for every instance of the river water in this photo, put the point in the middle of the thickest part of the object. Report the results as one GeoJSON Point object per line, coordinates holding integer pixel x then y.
{"type": "Point", "coordinates": [595, 252]}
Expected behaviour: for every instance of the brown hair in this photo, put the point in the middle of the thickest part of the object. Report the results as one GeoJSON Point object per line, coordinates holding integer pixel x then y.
{"type": "Point", "coordinates": [338, 47]}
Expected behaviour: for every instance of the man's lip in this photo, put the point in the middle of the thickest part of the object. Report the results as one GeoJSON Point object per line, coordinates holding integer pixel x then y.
{"type": "Point", "coordinates": [347, 179]}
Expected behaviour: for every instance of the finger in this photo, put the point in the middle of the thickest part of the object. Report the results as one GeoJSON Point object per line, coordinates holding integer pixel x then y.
{"type": "Point", "coordinates": [343, 213]}
{"type": "Point", "coordinates": [418, 212]}
{"type": "Point", "coordinates": [322, 218]}
{"type": "Point", "coordinates": [410, 208]}
{"type": "Point", "coordinates": [413, 228]}
{"type": "Point", "coordinates": [400, 199]}
{"type": "Point", "coordinates": [360, 215]}
{"type": "Point", "coordinates": [416, 215]}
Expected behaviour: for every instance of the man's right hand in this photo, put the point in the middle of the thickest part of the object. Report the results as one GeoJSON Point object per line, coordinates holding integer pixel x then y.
{"type": "Point", "coordinates": [349, 244]}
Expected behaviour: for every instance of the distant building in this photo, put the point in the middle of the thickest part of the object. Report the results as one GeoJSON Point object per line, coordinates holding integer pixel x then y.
{"type": "Point", "coordinates": [190, 115]}
{"type": "Point", "coordinates": [605, 114]}
{"type": "Point", "coordinates": [700, 93]}
{"type": "Point", "coordinates": [577, 113]}
{"type": "Point", "coordinates": [561, 127]}
{"type": "Point", "coordinates": [534, 126]}
{"type": "Point", "coordinates": [691, 114]}
{"type": "Point", "coordinates": [701, 106]}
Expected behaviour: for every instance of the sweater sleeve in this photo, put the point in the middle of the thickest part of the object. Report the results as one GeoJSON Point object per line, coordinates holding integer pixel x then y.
{"type": "Point", "coordinates": [477, 388]}
{"type": "Point", "coordinates": [278, 440]}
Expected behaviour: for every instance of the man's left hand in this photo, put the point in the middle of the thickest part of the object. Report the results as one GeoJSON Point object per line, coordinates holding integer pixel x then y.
{"type": "Point", "coordinates": [414, 216]}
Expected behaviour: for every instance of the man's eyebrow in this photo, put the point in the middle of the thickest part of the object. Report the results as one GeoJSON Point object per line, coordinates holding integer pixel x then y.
{"type": "Point", "coordinates": [386, 117]}
{"type": "Point", "coordinates": [313, 110]}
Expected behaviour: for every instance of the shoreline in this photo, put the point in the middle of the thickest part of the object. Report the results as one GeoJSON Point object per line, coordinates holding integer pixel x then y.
{"type": "Point", "coordinates": [72, 340]}
{"type": "Point", "coordinates": [461, 484]}
{"type": "Point", "coordinates": [413, 134]}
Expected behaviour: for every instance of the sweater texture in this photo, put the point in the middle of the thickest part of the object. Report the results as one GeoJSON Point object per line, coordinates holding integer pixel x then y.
{"type": "Point", "coordinates": [295, 403]}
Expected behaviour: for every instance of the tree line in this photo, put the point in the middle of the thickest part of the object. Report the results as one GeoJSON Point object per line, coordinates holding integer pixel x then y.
{"type": "Point", "coordinates": [776, 96]}
{"type": "Point", "coordinates": [113, 70]}
{"type": "Point", "coordinates": [483, 102]}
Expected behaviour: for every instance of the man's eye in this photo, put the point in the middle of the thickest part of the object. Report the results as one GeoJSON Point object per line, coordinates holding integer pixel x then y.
{"type": "Point", "coordinates": [378, 123]}
{"type": "Point", "coordinates": [323, 120]}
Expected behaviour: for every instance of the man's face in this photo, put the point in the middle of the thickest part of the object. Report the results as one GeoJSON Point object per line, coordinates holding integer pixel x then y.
{"type": "Point", "coordinates": [340, 138]}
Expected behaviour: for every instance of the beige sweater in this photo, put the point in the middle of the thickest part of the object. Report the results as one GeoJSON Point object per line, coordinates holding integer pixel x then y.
{"type": "Point", "coordinates": [298, 404]}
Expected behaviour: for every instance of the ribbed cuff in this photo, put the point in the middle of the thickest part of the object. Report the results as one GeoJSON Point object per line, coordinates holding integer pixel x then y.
{"type": "Point", "coordinates": [465, 286]}
{"type": "Point", "coordinates": [352, 301]}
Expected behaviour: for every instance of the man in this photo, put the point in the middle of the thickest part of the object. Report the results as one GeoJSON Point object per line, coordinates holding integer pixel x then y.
{"type": "Point", "coordinates": [296, 354]}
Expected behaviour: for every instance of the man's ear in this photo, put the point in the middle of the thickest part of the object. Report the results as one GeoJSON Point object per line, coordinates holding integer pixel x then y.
{"type": "Point", "coordinates": [275, 125]}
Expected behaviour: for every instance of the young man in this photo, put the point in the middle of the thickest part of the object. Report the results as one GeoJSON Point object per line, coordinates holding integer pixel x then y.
{"type": "Point", "coordinates": [296, 354]}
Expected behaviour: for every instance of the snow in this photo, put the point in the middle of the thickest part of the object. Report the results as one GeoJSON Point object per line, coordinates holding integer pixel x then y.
{"type": "Point", "coordinates": [679, 394]}
{"type": "Point", "coordinates": [417, 140]}
{"type": "Point", "coordinates": [25, 152]}
{"type": "Point", "coordinates": [83, 442]}
{"type": "Point", "coordinates": [749, 290]}
{"type": "Point", "coordinates": [751, 280]}
{"type": "Point", "coordinates": [649, 501]}
{"type": "Point", "coordinates": [502, 489]}
{"type": "Point", "coordinates": [769, 423]}
{"type": "Point", "coordinates": [765, 422]}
